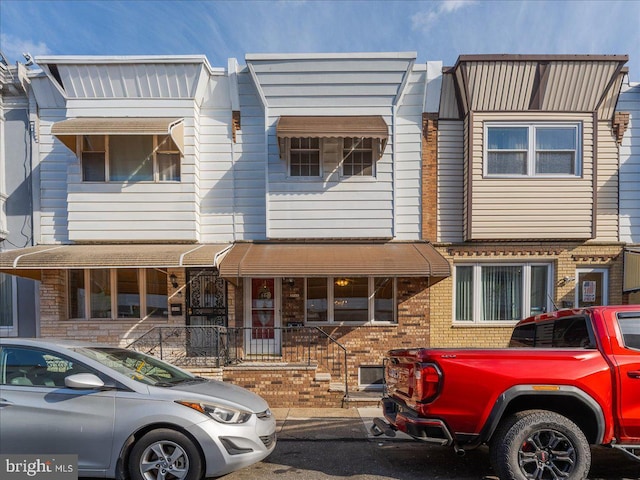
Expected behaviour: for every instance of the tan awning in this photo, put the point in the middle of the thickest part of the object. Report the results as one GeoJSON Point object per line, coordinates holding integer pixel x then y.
{"type": "Point", "coordinates": [67, 130]}
{"type": "Point", "coordinates": [28, 262]}
{"type": "Point", "coordinates": [416, 259]}
{"type": "Point", "coordinates": [631, 270]}
{"type": "Point", "coordinates": [333, 127]}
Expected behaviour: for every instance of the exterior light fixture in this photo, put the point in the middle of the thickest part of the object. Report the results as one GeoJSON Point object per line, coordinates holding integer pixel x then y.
{"type": "Point", "coordinates": [174, 280]}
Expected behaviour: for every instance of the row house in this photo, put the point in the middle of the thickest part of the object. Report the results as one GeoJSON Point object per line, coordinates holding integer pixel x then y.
{"type": "Point", "coordinates": [527, 191]}
{"type": "Point", "coordinates": [18, 295]}
{"type": "Point", "coordinates": [628, 112]}
{"type": "Point", "coordinates": [262, 219]}
{"type": "Point", "coordinates": [283, 223]}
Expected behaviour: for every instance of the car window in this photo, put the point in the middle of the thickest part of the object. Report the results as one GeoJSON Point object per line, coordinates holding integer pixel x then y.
{"type": "Point", "coordinates": [630, 328]}
{"type": "Point", "coordinates": [34, 367]}
{"type": "Point", "coordinates": [568, 332]}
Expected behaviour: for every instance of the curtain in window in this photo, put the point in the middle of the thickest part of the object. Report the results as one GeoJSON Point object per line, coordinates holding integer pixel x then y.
{"type": "Point", "coordinates": [6, 300]}
{"type": "Point", "coordinates": [507, 150]}
{"type": "Point", "coordinates": [464, 293]}
{"type": "Point", "coordinates": [539, 294]}
{"type": "Point", "coordinates": [501, 293]}
{"type": "Point", "coordinates": [131, 158]}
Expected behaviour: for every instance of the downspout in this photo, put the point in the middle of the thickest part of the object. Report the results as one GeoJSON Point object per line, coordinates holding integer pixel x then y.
{"type": "Point", "coordinates": [232, 72]}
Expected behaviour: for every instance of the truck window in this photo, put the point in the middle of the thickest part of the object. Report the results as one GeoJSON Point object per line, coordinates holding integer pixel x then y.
{"type": "Point", "coordinates": [569, 332]}
{"type": "Point", "coordinates": [629, 324]}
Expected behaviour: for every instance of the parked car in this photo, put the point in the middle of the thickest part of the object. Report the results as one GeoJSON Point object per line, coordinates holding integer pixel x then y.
{"type": "Point", "coordinates": [126, 414]}
{"type": "Point", "coordinates": [569, 379]}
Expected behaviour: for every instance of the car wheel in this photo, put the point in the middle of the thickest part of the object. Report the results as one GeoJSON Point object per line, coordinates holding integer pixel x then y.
{"type": "Point", "coordinates": [165, 454]}
{"type": "Point", "coordinates": [539, 444]}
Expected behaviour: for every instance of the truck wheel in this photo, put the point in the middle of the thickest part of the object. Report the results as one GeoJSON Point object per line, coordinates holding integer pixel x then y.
{"type": "Point", "coordinates": [539, 444]}
{"type": "Point", "coordinates": [164, 454]}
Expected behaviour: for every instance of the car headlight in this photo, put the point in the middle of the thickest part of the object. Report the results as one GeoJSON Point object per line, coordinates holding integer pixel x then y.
{"type": "Point", "coordinates": [218, 413]}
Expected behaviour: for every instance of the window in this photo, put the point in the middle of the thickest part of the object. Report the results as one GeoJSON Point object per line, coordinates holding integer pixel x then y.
{"type": "Point", "coordinates": [31, 367]}
{"type": "Point", "coordinates": [8, 304]}
{"type": "Point", "coordinates": [629, 324]}
{"type": "Point", "coordinates": [129, 158]}
{"type": "Point", "coordinates": [128, 292]}
{"type": "Point", "coordinates": [357, 157]}
{"type": "Point", "coordinates": [371, 377]}
{"type": "Point", "coordinates": [568, 332]}
{"type": "Point", "coordinates": [532, 150]}
{"type": "Point", "coordinates": [350, 300]}
{"type": "Point", "coordinates": [304, 157]}
{"type": "Point", "coordinates": [501, 292]}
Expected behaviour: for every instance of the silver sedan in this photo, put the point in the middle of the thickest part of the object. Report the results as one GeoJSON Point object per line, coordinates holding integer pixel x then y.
{"type": "Point", "coordinates": [126, 414]}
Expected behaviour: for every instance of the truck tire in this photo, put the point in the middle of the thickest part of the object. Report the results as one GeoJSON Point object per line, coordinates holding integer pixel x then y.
{"type": "Point", "coordinates": [539, 444]}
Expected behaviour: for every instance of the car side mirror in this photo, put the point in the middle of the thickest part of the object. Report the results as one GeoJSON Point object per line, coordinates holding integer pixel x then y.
{"type": "Point", "coordinates": [83, 381]}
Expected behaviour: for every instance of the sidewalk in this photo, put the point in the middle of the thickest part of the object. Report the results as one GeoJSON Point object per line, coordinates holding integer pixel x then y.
{"type": "Point", "coordinates": [329, 424]}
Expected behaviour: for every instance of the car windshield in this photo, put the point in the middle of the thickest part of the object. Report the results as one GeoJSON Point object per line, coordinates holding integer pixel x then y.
{"type": "Point", "coordinates": [138, 366]}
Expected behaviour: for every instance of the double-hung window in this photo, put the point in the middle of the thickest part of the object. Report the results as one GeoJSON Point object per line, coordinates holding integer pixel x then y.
{"type": "Point", "coordinates": [304, 157]}
{"type": "Point", "coordinates": [539, 149]}
{"type": "Point", "coordinates": [129, 158]}
{"type": "Point", "coordinates": [501, 292]}
{"type": "Point", "coordinates": [358, 156]}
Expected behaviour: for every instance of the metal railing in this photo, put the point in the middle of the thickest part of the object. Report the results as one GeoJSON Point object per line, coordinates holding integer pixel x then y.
{"type": "Point", "coordinates": [216, 346]}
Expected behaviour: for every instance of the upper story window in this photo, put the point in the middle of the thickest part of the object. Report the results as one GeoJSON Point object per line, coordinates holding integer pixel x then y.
{"type": "Point", "coordinates": [542, 149]}
{"type": "Point", "coordinates": [358, 157]}
{"type": "Point", "coordinates": [304, 157]}
{"type": "Point", "coordinates": [129, 158]}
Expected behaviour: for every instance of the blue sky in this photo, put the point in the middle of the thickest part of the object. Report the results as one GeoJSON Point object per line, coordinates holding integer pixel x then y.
{"type": "Point", "coordinates": [436, 30]}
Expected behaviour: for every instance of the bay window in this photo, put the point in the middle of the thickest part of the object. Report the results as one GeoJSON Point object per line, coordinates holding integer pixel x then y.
{"type": "Point", "coordinates": [350, 300]}
{"type": "Point", "coordinates": [129, 158]}
{"type": "Point", "coordinates": [501, 292]}
{"type": "Point", "coordinates": [539, 149]}
{"type": "Point", "coordinates": [117, 293]}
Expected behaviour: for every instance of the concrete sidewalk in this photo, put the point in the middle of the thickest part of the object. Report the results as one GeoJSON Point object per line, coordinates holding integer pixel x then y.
{"type": "Point", "coordinates": [329, 424]}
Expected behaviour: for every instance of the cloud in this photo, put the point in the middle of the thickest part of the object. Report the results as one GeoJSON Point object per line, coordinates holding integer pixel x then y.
{"type": "Point", "coordinates": [13, 47]}
{"type": "Point", "coordinates": [425, 20]}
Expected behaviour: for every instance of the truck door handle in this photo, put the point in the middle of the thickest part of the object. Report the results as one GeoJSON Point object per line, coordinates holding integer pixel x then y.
{"type": "Point", "coordinates": [635, 374]}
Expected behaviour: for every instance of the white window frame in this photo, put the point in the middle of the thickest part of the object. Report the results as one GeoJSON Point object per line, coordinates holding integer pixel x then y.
{"type": "Point", "coordinates": [155, 152]}
{"type": "Point", "coordinates": [605, 281]}
{"type": "Point", "coordinates": [375, 153]}
{"type": "Point", "coordinates": [288, 150]}
{"type": "Point", "coordinates": [113, 284]}
{"type": "Point", "coordinates": [370, 387]}
{"type": "Point", "coordinates": [370, 304]}
{"type": "Point", "coordinates": [477, 291]}
{"type": "Point", "coordinates": [532, 128]}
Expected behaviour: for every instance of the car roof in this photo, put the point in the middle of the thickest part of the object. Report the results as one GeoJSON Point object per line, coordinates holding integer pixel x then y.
{"type": "Point", "coordinates": [567, 312]}
{"type": "Point", "coordinates": [51, 342]}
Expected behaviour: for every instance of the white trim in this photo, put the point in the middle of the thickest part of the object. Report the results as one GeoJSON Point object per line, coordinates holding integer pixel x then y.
{"type": "Point", "coordinates": [605, 283]}
{"type": "Point", "coordinates": [323, 56]}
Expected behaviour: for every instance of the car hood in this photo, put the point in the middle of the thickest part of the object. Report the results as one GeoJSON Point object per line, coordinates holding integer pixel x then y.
{"type": "Point", "coordinates": [226, 393]}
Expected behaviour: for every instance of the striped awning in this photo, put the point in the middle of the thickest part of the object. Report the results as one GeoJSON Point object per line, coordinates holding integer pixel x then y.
{"type": "Point", "coordinates": [631, 270]}
{"type": "Point", "coordinates": [67, 130]}
{"type": "Point", "coordinates": [29, 262]}
{"type": "Point", "coordinates": [393, 259]}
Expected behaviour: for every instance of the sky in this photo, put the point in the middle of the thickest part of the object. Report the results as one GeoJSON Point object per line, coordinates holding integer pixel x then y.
{"type": "Point", "coordinates": [221, 29]}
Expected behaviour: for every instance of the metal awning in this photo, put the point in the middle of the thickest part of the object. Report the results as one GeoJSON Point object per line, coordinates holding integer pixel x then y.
{"type": "Point", "coordinates": [411, 259]}
{"type": "Point", "coordinates": [67, 130]}
{"type": "Point", "coordinates": [29, 262]}
{"type": "Point", "coordinates": [372, 126]}
{"type": "Point", "coordinates": [631, 270]}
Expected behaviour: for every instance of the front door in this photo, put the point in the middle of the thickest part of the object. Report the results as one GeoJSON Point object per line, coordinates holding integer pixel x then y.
{"type": "Point", "coordinates": [262, 318]}
{"type": "Point", "coordinates": [206, 307]}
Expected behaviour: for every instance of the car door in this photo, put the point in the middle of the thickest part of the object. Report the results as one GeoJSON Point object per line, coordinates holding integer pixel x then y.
{"type": "Point", "coordinates": [39, 415]}
{"type": "Point", "coordinates": [626, 352]}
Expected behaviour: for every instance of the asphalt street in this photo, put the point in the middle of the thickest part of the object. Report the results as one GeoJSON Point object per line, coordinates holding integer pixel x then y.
{"type": "Point", "coordinates": [336, 444]}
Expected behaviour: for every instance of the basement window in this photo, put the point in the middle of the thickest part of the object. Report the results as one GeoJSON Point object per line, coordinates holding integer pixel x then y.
{"type": "Point", "coordinates": [371, 377]}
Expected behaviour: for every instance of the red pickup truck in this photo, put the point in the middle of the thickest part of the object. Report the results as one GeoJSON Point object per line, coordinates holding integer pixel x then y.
{"type": "Point", "coordinates": [569, 379]}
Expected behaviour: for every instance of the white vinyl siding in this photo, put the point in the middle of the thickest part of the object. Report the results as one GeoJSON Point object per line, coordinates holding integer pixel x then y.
{"type": "Point", "coordinates": [607, 185]}
{"type": "Point", "coordinates": [630, 166]}
{"type": "Point", "coordinates": [336, 206]}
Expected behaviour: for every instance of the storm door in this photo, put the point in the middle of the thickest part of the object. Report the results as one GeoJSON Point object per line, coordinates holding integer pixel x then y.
{"type": "Point", "coordinates": [262, 318]}
{"type": "Point", "coordinates": [206, 307]}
